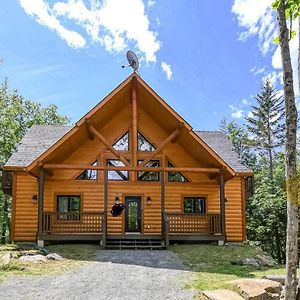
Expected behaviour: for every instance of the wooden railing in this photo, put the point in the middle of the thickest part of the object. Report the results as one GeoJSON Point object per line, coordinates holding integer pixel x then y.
{"type": "Point", "coordinates": [193, 224]}
{"type": "Point", "coordinates": [71, 222]}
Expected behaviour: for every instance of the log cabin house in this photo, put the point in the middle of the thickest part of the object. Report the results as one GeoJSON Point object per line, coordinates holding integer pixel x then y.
{"type": "Point", "coordinates": [130, 170]}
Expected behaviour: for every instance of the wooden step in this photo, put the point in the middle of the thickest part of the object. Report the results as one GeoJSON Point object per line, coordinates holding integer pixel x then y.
{"type": "Point", "coordinates": [135, 244]}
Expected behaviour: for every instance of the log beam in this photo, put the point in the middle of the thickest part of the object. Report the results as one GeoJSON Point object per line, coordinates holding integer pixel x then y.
{"type": "Point", "coordinates": [168, 140]}
{"type": "Point", "coordinates": [96, 133]}
{"type": "Point", "coordinates": [129, 168]}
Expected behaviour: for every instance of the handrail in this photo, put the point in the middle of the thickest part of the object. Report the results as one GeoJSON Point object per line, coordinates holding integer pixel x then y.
{"type": "Point", "coordinates": [72, 222]}
{"type": "Point", "coordinates": [183, 223]}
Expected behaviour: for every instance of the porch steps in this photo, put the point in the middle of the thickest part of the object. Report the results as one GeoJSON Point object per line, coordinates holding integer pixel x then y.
{"type": "Point", "coordinates": [135, 244]}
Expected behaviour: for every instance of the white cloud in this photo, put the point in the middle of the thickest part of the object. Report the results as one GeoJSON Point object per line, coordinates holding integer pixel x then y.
{"type": "Point", "coordinates": [258, 18]}
{"type": "Point", "coordinates": [40, 10]}
{"type": "Point", "coordinates": [114, 24]}
{"type": "Point", "coordinates": [167, 70]}
{"type": "Point", "coordinates": [236, 112]}
{"type": "Point", "coordinates": [256, 70]}
{"type": "Point", "coordinates": [151, 3]}
{"type": "Point", "coordinates": [250, 114]}
{"type": "Point", "coordinates": [245, 102]}
{"type": "Point", "coordinates": [274, 77]}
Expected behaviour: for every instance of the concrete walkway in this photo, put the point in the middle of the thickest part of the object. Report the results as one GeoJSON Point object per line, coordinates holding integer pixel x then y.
{"type": "Point", "coordinates": [113, 274]}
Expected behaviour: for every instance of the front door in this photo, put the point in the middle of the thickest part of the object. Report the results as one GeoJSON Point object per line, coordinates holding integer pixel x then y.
{"type": "Point", "coordinates": [133, 214]}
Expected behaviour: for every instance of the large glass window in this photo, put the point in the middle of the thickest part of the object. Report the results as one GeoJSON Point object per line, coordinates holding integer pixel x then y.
{"type": "Point", "coordinates": [89, 174]}
{"type": "Point", "coordinates": [194, 205]}
{"type": "Point", "coordinates": [116, 175]}
{"type": "Point", "coordinates": [144, 144]}
{"type": "Point", "coordinates": [122, 143]}
{"type": "Point", "coordinates": [149, 175]}
{"type": "Point", "coordinates": [175, 176]}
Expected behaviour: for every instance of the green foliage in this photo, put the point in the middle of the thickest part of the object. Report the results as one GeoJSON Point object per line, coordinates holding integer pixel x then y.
{"type": "Point", "coordinates": [266, 211]}
{"type": "Point", "coordinates": [17, 115]}
{"type": "Point", "coordinates": [266, 123]}
{"type": "Point", "coordinates": [259, 144]}
{"type": "Point", "coordinates": [292, 7]}
{"type": "Point", "coordinates": [238, 135]}
{"type": "Point", "coordinates": [213, 266]}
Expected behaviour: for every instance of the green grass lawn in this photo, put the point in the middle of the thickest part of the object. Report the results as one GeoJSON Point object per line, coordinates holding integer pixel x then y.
{"type": "Point", "coordinates": [74, 254]}
{"type": "Point", "coordinates": [213, 268]}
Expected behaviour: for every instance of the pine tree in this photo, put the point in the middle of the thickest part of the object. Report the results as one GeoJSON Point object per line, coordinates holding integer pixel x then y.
{"type": "Point", "coordinates": [266, 123]}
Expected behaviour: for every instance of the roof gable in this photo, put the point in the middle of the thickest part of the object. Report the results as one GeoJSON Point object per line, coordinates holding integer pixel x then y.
{"type": "Point", "coordinates": [149, 100]}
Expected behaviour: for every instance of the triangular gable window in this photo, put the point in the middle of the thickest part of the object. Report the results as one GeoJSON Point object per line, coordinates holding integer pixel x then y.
{"type": "Point", "coordinates": [89, 174]}
{"type": "Point", "coordinates": [123, 143]}
{"type": "Point", "coordinates": [144, 144]}
{"type": "Point", "coordinates": [175, 176]}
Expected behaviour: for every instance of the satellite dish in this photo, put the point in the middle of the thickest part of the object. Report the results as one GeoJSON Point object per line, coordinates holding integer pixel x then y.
{"type": "Point", "coordinates": [133, 61]}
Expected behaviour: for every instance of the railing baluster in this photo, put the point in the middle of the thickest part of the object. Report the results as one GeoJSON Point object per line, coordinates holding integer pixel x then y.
{"type": "Point", "coordinates": [71, 222]}
{"type": "Point", "coordinates": [181, 223]}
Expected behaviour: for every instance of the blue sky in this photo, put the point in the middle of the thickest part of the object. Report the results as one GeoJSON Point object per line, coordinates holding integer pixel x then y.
{"type": "Point", "coordinates": [205, 58]}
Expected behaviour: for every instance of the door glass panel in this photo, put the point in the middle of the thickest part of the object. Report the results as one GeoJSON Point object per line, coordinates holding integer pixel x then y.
{"type": "Point", "coordinates": [132, 218]}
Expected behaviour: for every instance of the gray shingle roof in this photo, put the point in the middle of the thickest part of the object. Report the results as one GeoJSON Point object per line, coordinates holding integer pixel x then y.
{"type": "Point", "coordinates": [39, 138]}
{"type": "Point", "coordinates": [35, 142]}
{"type": "Point", "coordinates": [219, 143]}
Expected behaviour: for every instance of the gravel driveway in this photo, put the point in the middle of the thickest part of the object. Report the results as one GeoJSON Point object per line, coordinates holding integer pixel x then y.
{"type": "Point", "coordinates": [113, 274]}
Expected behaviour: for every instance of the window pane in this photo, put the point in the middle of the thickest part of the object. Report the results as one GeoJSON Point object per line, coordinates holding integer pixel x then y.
{"type": "Point", "coordinates": [199, 205]}
{"type": "Point", "coordinates": [188, 205]}
{"type": "Point", "coordinates": [74, 202]}
{"type": "Point", "coordinates": [175, 176]}
{"type": "Point", "coordinates": [63, 203]}
{"type": "Point", "coordinates": [194, 205]}
{"type": "Point", "coordinates": [122, 143]}
{"type": "Point", "coordinates": [116, 175]}
{"type": "Point", "coordinates": [144, 144]}
{"type": "Point", "coordinates": [149, 176]}
{"type": "Point", "coordinates": [89, 174]}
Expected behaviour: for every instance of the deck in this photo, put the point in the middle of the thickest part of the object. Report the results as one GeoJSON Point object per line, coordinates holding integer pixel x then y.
{"type": "Point", "coordinates": [92, 226]}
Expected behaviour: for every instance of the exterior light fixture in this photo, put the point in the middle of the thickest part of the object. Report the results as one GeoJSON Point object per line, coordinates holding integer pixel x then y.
{"type": "Point", "coordinates": [34, 199]}
{"type": "Point", "coordinates": [117, 200]}
{"type": "Point", "coordinates": [148, 200]}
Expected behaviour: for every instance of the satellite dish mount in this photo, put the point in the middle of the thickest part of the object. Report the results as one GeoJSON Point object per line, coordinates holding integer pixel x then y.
{"type": "Point", "coordinates": [133, 61]}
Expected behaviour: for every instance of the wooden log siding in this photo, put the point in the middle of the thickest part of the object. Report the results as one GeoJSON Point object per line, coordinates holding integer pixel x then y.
{"type": "Point", "coordinates": [71, 222]}
{"type": "Point", "coordinates": [194, 224]}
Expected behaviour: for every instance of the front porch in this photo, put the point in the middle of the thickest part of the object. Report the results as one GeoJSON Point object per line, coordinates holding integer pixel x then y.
{"type": "Point", "coordinates": [58, 226]}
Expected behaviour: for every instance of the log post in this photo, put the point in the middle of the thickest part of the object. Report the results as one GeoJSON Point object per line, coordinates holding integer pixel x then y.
{"type": "Point", "coordinates": [163, 212]}
{"type": "Point", "coordinates": [222, 206]}
{"type": "Point", "coordinates": [41, 205]}
{"type": "Point", "coordinates": [104, 229]}
{"type": "Point", "coordinates": [134, 121]}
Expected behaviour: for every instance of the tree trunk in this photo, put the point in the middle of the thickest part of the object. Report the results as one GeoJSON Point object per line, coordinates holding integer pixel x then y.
{"type": "Point", "coordinates": [270, 165]}
{"type": "Point", "coordinates": [290, 159]}
{"type": "Point", "coordinates": [299, 53]}
{"type": "Point", "coordinates": [4, 220]}
{"type": "Point", "coordinates": [277, 243]}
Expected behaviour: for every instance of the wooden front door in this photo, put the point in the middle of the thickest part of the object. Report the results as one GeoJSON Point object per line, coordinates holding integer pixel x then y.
{"type": "Point", "coordinates": [133, 214]}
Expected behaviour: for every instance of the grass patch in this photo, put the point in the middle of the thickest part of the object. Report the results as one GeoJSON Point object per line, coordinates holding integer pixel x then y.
{"type": "Point", "coordinates": [213, 268]}
{"type": "Point", "coordinates": [74, 256]}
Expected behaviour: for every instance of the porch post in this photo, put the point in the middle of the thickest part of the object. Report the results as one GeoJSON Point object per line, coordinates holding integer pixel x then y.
{"type": "Point", "coordinates": [104, 228]}
{"type": "Point", "coordinates": [163, 211]}
{"type": "Point", "coordinates": [222, 205]}
{"type": "Point", "coordinates": [40, 243]}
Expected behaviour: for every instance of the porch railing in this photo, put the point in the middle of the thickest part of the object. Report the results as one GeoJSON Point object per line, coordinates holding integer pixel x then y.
{"type": "Point", "coordinates": [193, 224]}
{"type": "Point", "coordinates": [71, 222]}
